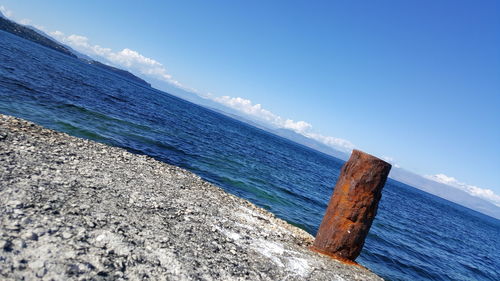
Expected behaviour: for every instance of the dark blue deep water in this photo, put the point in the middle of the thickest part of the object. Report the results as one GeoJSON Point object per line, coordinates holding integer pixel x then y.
{"type": "Point", "coordinates": [416, 236]}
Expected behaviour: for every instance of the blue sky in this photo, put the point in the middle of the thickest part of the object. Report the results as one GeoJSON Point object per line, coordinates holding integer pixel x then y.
{"type": "Point", "coordinates": [417, 82]}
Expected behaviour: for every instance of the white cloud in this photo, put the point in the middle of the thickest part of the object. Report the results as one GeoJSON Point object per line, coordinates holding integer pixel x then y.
{"type": "Point", "coordinates": [77, 40]}
{"type": "Point", "coordinates": [301, 127]}
{"type": "Point", "coordinates": [246, 106]}
{"type": "Point", "coordinates": [40, 27]}
{"type": "Point", "coordinates": [6, 12]}
{"type": "Point", "coordinates": [334, 142]}
{"type": "Point", "coordinates": [57, 33]}
{"type": "Point", "coordinates": [388, 159]}
{"type": "Point", "coordinates": [473, 190]}
{"type": "Point", "coordinates": [25, 21]}
{"type": "Point", "coordinates": [126, 58]}
{"type": "Point", "coordinates": [391, 160]}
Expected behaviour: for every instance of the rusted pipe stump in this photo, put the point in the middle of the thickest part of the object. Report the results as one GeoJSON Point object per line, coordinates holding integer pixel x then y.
{"type": "Point", "coordinates": [352, 207]}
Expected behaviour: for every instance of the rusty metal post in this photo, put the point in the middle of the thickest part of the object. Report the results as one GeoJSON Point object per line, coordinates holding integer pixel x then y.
{"type": "Point", "coordinates": [352, 207]}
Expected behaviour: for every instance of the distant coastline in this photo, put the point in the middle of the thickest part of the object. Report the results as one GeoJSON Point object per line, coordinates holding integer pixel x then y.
{"type": "Point", "coordinates": [36, 36]}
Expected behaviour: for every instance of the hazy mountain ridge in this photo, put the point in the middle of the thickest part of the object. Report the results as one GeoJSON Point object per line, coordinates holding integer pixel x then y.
{"type": "Point", "coordinates": [39, 37]}
{"type": "Point", "coordinates": [441, 190]}
{"type": "Point", "coordinates": [75, 52]}
{"type": "Point", "coordinates": [447, 192]}
{"type": "Point", "coordinates": [284, 133]}
{"type": "Point", "coordinates": [29, 34]}
{"type": "Point", "coordinates": [118, 71]}
{"type": "Point", "coordinates": [311, 143]}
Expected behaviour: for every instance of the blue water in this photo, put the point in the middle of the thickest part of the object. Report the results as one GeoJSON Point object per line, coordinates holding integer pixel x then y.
{"type": "Point", "coordinates": [415, 236]}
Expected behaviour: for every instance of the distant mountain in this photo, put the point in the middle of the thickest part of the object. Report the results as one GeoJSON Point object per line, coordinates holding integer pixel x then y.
{"type": "Point", "coordinates": [181, 93]}
{"type": "Point", "coordinates": [441, 190]}
{"type": "Point", "coordinates": [118, 71]}
{"type": "Point", "coordinates": [29, 34]}
{"type": "Point", "coordinates": [39, 37]}
{"type": "Point", "coordinates": [311, 143]}
{"type": "Point", "coordinates": [445, 191]}
{"type": "Point", "coordinates": [75, 52]}
{"type": "Point", "coordinates": [284, 133]}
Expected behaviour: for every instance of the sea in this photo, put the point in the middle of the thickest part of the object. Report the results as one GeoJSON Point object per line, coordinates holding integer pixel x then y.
{"type": "Point", "coordinates": [415, 235]}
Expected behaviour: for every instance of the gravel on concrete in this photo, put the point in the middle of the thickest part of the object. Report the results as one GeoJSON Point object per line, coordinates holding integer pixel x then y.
{"type": "Point", "coordinates": [74, 209]}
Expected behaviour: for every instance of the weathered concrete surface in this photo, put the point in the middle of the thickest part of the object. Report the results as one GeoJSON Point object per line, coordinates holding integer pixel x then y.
{"type": "Point", "coordinates": [352, 207]}
{"type": "Point", "coordinates": [73, 209]}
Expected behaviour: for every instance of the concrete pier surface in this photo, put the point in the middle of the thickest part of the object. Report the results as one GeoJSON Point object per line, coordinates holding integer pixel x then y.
{"type": "Point", "coordinates": [73, 209]}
